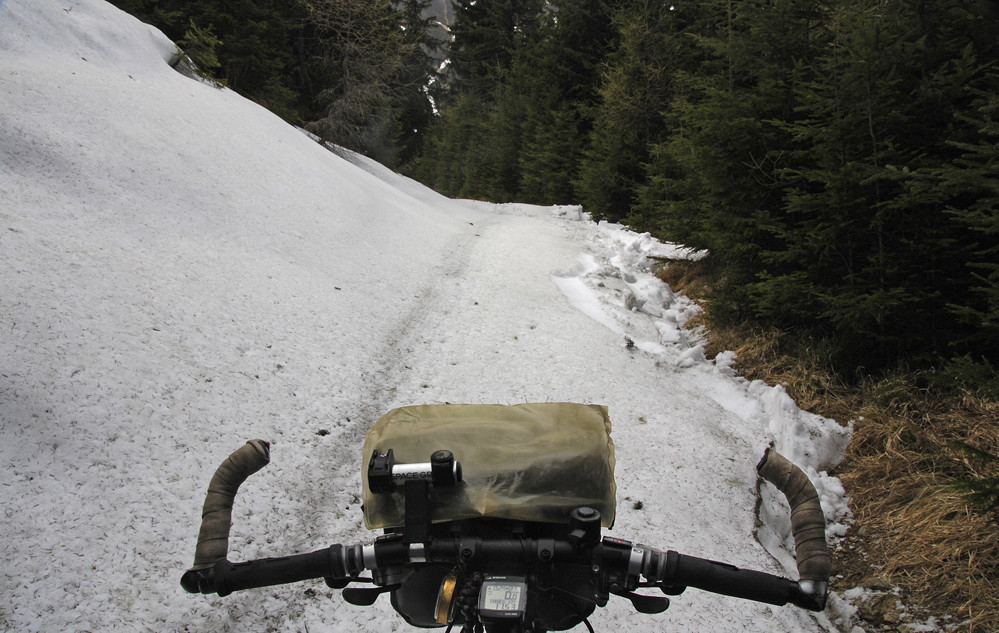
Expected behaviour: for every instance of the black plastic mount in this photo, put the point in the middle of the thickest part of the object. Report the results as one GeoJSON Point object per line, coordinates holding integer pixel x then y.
{"type": "Point", "coordinates": [386, 476]}
{"type": "Point", "coordinates": [380, 472]}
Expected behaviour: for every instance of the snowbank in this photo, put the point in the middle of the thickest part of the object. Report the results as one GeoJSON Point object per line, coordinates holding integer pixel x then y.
{"type": "Point", "coordinates": [614, 284]}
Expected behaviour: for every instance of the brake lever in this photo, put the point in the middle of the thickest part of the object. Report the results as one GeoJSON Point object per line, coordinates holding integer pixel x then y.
{"type": "Point", "coordinates": [365, 596]}
{"type": "Point", "coordinates": [641, 602]}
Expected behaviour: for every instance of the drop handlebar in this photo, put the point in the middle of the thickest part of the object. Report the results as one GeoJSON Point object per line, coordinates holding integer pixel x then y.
{"type": "Point", "coordinates": [619, 564]}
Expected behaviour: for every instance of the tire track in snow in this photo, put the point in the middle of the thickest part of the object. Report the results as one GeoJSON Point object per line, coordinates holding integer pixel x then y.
{"type": "Point", "coordinates": [433, 303]}
{"type": "Point", "coordinates": [379, 374]}
{"type": "Point", "coordinates": [320, 485]}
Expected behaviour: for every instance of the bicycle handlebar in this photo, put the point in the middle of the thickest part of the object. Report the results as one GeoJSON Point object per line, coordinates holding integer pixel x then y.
{"type": "Point", "coordinates": [620, 563]}
{"type": "Point", "coordinates": [216, 514]}
{"type": "Point", "coordinates": [808, 523]}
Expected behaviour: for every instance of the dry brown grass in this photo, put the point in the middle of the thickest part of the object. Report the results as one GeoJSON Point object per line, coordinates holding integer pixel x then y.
{"type": "Point", "coordinates": [913, 529]}
{"type": "Point", "coordinates": [686, 276]}
{"type": "Point", "coordinates": [899, 471]}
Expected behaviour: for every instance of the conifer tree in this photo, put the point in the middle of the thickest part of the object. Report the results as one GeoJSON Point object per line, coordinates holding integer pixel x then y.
{"type": "Point", "coordinates": [868, 261]}
{"type": "Point", "coordinates": [638, 86]}
{"type": "Point", "coordinates": [969, 187]}
{"type": "Point", "coordinates": [258, 45]}
{"type": "Point", "coordinates": [452, 160]}
{"type": "Point", "coordinates": [201, 46]}
{"type": "Point", "coordinates": [714, 182]}
{"type": "Point", "coordinates": [362, 50]}
{"type": "Point", "coordinates": [560, 76]}
{"type": "Point", "coordinates": [479, 131]}
{"type": "Point", "coordinates": [485, 37]}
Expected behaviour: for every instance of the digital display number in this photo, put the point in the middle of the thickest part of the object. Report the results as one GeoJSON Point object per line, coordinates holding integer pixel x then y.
{"type": "Point", "coordinates": [502, 597]}
{"type": "Point", "coordinates": [505, 597]}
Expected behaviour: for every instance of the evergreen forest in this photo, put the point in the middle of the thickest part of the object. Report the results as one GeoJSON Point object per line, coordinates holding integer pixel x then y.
{"type": "Point", "coordinates": [838, 159]}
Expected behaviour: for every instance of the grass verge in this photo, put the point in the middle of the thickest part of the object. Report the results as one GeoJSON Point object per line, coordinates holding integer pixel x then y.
{"type": "Point", "coordinates": [915, 541]}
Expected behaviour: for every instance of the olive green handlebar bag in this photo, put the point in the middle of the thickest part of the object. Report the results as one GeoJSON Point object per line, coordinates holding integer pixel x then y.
{"type": "Point", "coordinates": [529, 462]}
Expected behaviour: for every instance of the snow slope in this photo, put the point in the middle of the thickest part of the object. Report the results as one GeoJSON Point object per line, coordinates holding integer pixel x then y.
{"type": "Point", "coordinates": [181, 271]}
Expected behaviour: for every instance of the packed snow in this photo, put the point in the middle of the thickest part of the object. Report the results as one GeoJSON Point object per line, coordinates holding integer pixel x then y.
{"type": "Point", "coordinates": [183, 271]}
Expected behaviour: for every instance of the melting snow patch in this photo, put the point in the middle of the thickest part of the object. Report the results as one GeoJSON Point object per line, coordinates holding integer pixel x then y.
{"type": "Point", "coordinates": [615, 286]}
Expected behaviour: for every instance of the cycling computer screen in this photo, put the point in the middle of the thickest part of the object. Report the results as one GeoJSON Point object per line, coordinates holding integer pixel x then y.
{"type": "Point", "coordinates": [502, 598]}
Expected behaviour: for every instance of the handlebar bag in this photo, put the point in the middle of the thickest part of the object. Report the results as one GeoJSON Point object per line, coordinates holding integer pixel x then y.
{"type": "Point", "coordinates": [528, 462]}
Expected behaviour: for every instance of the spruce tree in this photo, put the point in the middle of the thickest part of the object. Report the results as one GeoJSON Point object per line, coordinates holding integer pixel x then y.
{"type": "Point", "coordinates": [259, 46]}
{"type": "Point", "coordinates": [409, 111]}
{"type": "Point", "coordinates": [868, 259]}
{"type": "Point", "coordinates": [969, 188]}
{"type": "Point", "coordinates": [559, 74]}
{"type": "Point", "coordinates": [638, 86]}
{"type": "Point", "coordinates": [714, 182]}
{"type": "Point", "coordinates": [478, 134]}
{"type": "Point", "coordinates": [361, 51]}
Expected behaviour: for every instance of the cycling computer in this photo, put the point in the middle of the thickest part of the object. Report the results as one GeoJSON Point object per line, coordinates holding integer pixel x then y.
{"type": "Point", "coordinates": [503, 598]}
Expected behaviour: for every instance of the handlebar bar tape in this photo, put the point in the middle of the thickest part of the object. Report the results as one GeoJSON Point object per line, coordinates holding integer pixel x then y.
{"type": "Point", "coordinates": [808, 524]}
{"type": "Point", "coordinates": [216, 516]}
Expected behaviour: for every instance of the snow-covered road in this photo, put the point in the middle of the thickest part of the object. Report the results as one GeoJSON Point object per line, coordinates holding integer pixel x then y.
{"type": "Point", "coordinates": [181, 271]}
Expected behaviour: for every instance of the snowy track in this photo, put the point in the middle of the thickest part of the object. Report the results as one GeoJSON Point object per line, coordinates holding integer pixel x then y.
{"type": "Point", "coordinates": [181, 271]}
